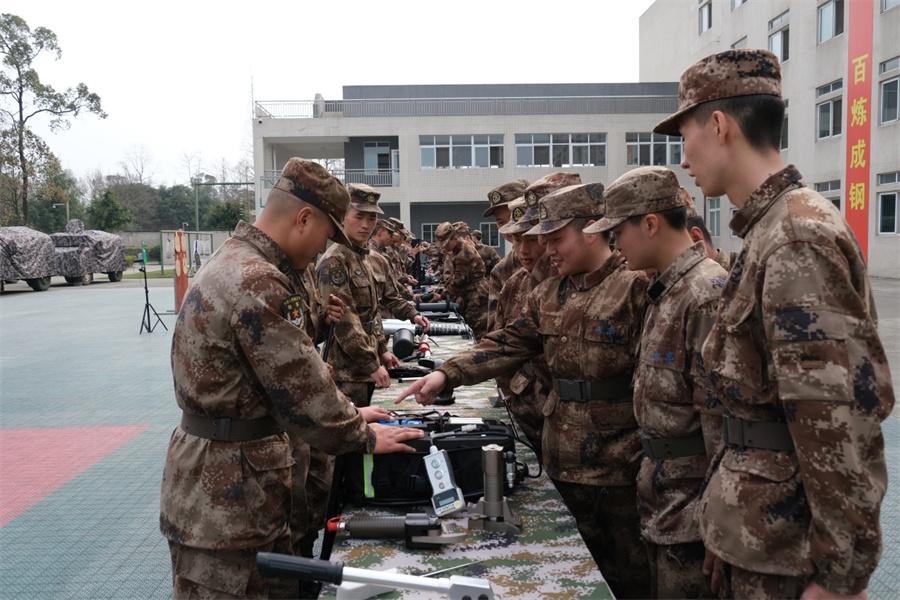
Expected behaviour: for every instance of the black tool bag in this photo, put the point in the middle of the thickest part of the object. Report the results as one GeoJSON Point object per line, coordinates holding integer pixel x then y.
{"type": "Point", "coordinates": [401, 479]}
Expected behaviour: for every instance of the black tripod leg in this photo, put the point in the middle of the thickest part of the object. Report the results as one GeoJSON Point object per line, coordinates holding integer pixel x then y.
{"type": "Point", "coordinates": [333, 507]}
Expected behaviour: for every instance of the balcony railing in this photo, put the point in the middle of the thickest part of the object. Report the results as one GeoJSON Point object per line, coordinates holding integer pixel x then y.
{"type": "Point", "coordinates": [373, 177]}
{"type": "Point", "coordinates": [425, 107]}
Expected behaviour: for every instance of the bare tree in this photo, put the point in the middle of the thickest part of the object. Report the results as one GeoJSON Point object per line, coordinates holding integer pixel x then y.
{"type": "Point", "coordinates": [136, 166]}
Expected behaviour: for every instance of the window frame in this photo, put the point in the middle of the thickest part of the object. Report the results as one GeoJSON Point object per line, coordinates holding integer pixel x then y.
{"type": "Point", "coordinates": [738, 44]}
{"type": "Point", "coordinates": [492, 233]}
{"type": "Point", "coordinates": [669, 142]}
{"type": "Point", "coordinates": [780, 26]}
{"type": "Point", "coordinates": [714, 226]}
{"type": "Point", "coordinates": [835, 23]}
{"type": "Point", "coordinates": [570, 144]}
{"type": "Point", "coordinates": [881, 100]}
{"type": "Point", "coordinates": [430, 237]}
{"type": "Point", "coordinates": [885, 7]}
{"type": "Point", "coordinates": [831, 102]}
{"type": "Point", "coordinates": [705, 7]}
{"type": "Point", "coordinates": [434, 147]}
{"type": "Point", "coordinates": [880, 219]}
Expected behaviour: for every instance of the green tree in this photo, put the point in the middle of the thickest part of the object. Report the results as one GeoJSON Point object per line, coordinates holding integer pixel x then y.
{"type": "Point", "coordinates": [38, 159]}
{"type": "Point", "coordinates": [107, 213]}
{"type": "Point", "coordinates": [176, 206]}
{"type": "Point", "coordinates": [57, 190]}
{"type": "Point", "coordinates": [224, 216]}
{"type": "Point", "coordinates": [25, 96]}
{"type": "Point", "coordinates": [142, 203]}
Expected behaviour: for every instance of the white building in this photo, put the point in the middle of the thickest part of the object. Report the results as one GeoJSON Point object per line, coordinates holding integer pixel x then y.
{"type": "Point", "coordinates": [810, 38]}
{"type": "Point", "coordinates": [435, 151]}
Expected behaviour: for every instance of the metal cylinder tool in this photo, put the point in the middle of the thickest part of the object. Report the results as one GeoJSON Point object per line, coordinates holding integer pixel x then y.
{"type": "Point", "coordinates": [492, 512]}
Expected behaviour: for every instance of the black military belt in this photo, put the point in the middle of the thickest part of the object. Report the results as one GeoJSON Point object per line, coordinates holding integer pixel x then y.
{"type": "Point", "coordinates": [225, 429]}
{"type": "Point", "coordinates": [674, 447]}
{"type": "Point", "coordinates": [584, 390]}
{"type": "Point", "coordinates": [767, 435]}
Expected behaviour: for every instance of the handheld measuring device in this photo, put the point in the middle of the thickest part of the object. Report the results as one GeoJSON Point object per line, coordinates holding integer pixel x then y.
{"type": "Point", "coordinates": [446, 496]}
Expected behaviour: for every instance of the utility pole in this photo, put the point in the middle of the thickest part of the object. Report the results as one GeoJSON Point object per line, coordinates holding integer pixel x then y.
{"type": "Point", "coordinates": [66, 204]}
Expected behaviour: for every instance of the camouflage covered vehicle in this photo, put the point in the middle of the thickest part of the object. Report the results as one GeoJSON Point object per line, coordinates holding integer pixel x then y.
{"type": "Point", "coordinates": [28, 255]}
{"type": "Point", "coordinates": [82, 252]}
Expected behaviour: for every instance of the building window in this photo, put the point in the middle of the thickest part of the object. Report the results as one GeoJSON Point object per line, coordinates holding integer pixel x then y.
{"type": "Point", "coordinates": [887, 212]}
{"type": "Point", "coordinates": [713, 210]}
{"type": "Point", "coordinates": [741, 43]}
{"type": "Point", "coordinates": [490, 235]}
{"type": "Point", "coordinates": [890, 90]}
{"type": "Point", "coordinates": [784, 133]}
{"type": "Point", "coordinates": [889, 178]}
{"type": "Point", "coordinates": [889, 65]}
{"type": "Point", "coordinates": [828, 117]}
{"type": "Point", "coordinates": [779, 37]}
{"type": "Point", "coordinates": [461, 151]}
{"type": "Point", "coordinates": [889, 4]}
{"type": "Point", "coordinates": [736, 3]}
{"type": "Point", "coordinates": [831, 190]}
{"type": "Point", "coordinates": [828, 88]}
{"type": "Point", "coordinates": [644, 148]}
{"type": "Point", "coordinates": [561, 149]}
{"type": "Point", "coordinates": [428, 231]}
{"type": "Point", "coordinates": [831, 20]}
{"type": "Point", "coordinates": [705, 15]}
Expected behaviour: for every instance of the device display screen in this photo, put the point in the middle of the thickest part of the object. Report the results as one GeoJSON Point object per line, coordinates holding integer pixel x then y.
{"type": "Point", "coordinates": [445, 498]}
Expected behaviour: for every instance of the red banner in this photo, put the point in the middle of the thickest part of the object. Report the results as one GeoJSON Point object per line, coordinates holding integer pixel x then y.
{"type": "Point", "coordinates": [859, 113]}
{"type": "Point", "coordinates": [181, 268]}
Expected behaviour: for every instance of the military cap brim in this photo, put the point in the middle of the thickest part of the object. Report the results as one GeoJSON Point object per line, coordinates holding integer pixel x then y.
{"type": "Point", "coordinates": [366, 208]}
{"type": "Point", "coordinates": [339, 235]}
{"type": "Point", "coordinates": [523, 225]}
{"type": "Point", "coordinates": [491, 209]}
{"type": "Point", "coordinates": [604, 224]}
{"type": "Point", "coordinates": [548, 227]}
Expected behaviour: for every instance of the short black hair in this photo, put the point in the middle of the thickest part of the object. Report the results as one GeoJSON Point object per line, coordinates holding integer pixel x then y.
{"type": "Point", "coordinates": [675, 217]}
{"type": "Point", "coordinates": [760, 117]}
{"type": "Point", "coordinates": [698, 222]}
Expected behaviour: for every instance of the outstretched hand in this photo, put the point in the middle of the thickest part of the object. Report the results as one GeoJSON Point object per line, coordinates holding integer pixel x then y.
{"type": "Point", "coordinates": [426, 389]}
{"type": "Point", "coordinates": [389, 438]}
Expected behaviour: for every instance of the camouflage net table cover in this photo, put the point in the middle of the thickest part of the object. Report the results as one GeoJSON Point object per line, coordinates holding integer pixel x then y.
{"type": "Point", "coordinates": [548, 560]}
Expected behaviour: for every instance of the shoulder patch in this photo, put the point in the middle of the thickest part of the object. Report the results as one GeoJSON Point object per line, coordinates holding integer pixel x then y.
{"type": "Point", "coordinates": [292, 309]}
{"type": "Point", "coordinates": [337, 274]}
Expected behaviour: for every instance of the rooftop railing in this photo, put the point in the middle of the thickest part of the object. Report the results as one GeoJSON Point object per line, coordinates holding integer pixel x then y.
{"type": "Point", "coordinates": [373, 177]}
{"type": "Point", "coordinates": [425, 107]}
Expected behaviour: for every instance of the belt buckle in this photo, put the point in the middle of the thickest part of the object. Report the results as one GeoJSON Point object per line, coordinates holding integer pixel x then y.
{"type": "Point", "coordinates": [734, 432]}
{"type": "Point", "coordinates": [221, 428]}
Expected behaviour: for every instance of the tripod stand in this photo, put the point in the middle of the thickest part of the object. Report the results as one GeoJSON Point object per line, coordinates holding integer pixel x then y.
{"type": "Point", "coordinates": [146, 322]}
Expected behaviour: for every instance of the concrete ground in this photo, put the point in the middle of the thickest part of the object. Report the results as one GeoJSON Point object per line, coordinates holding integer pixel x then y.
{"type": "Point", "coordinates": [86, 409]}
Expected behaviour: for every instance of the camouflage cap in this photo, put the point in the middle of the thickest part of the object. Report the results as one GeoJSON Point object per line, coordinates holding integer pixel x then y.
{"type": "Point", "coordinates": [384, 224]}
{"type": "Point", "coordinates": [517, 210]}
{"type": "Point", "coordinates": [460, 228]}
{"type": "Point", "coordinates": [558, 209]}
{"type": "Point", "coordinates": [504, 194]}
{"type": "Point", "coordinates": [638, 192]}
{"type": "Point", "coordinates": [309, 181]}
{"type": "Point", "coordinates": [476, 234]}
{"type": "Point", "coordinates": [398, 226]}
{"type": "Point", "coordinates": [534, 192]}
{"type": "Point", "coordinates": [364, 198]}
{"type": "Point", "coordinates": [728, 74]}
{"type": "Point", "coordinates": [443, 231]}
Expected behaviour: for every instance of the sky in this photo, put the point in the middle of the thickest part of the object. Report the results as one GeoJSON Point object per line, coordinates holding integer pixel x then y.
{"type": "Point", "coordinates": [178, 78]}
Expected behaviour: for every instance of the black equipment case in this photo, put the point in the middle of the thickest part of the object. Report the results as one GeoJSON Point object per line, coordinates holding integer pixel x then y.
{"type": "Point", "coordinates": [401, 479]}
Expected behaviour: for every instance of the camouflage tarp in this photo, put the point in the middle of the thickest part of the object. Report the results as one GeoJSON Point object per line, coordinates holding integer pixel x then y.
{"type": "Point", "coordinates": [80, 251]}
{"type": "Point", "coordinates": [25, 254]}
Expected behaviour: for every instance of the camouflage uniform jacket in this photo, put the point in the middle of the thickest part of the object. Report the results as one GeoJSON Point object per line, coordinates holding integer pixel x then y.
{"type": "Point", "coordinates": [497, 276]}
{"type": "Point", "coordinates": [723, 258]}
{"type": "Point", "coordinates": [358, 337]}
{"type": "Point", "coordinates": [488, 255]}
{"type": "Point", "coordinates": [390, 301]}
{"type": "Point", "coordinates": [240, 350]}
{"type": "Point", "coordinates": [467, 271]}
{"type": "Point", "coordinates": [587, 326]}
{"type": "Point", "coordinates": [672, 395]}
{"type": "Point", "coordinates": [796, 341]}
{"type": "Point", "coordinates": [513, 298]}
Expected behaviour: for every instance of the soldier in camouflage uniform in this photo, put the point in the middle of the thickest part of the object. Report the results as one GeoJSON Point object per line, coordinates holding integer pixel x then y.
{"type": "Point", "coordinates": [526, 391]}
{"type": "Point", "coordinates": [699, 233]}
{"type": "Point", "coordinates": [586, 322]}
{"type": "Point", "coordinates": [499, 200]}
{"type": "Point", "coordinates": [488, 255]}
{"type": "Point", "coordinates": [359, 355]}
{"type": "Point", "coordinates": [793, 505]}
{"type": "Point", "coordinates": [464, 278]}
{"type": "Point", "coordinates": [247, 377]}
{"type": "Point", "coordinates": [678, 412]}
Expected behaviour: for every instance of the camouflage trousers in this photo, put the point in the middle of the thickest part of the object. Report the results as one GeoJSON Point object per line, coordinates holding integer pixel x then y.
{"type": "Point", "coordinates": [209, 574]}
{"type": "Point", "coordinates": [311, 486]}
{"type": "Point", "coordinates": [475, 308]}
{"type": "Point", "coordinates": [739, 583]}
{"type": "Point", "coordinates": [608, 521]}
{"type": "Point", "coordinates": [359, 392]}
{"type": "Point", "coordinates": [676, 571]}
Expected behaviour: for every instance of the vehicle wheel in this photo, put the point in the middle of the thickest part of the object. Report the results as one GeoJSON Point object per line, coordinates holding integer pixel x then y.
{"type": "Point", "coordinates": [115, 275]}
{"type": "Point", "coordinates": [41, 284]}
{"type": "Point", "coordinates": [75, 280]}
